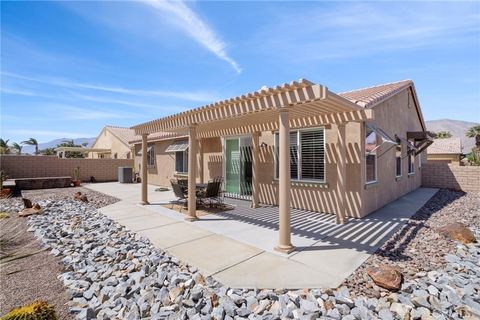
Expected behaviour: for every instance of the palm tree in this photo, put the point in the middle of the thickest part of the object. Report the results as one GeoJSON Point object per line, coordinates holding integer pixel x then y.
{"type": "Point", "coordinates": [443, 135]}
{"type": "Point", "coordinates": [32, 142]}
{"type": "Point", "coordinates": [18, 148]}
{"type": "Point", "coordinates": [474, 132]}
{"type": "Point", "coordinates": [4, 148]}
{"type": "Point", "coordinates": [48, 152]}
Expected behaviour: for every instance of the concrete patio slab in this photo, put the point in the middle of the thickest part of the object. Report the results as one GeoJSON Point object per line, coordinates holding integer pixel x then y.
{"type": "Point", "coordinates": [271, 271]}
{"type": "Point", "coordinates": [214, 253]}
{"type": "Point", "coordinates": [124, 210]}
{"type": "Point", "coordinates": [332, 260]}
{"type": "Point", "coordinates": [236, 246]}
{"type": "Point", "coordinates": [174, 234]}
{"type": "Point", "coordinates": [145, 222]}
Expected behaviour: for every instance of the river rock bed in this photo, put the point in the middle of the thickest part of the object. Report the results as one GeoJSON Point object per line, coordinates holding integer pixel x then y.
{"type": "Point", "coordinates": [112, 273]}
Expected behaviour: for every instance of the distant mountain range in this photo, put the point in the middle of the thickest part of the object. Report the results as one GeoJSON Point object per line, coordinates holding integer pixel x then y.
{"type": "Point", "coordinates": [54, 143]}
{"type": "Point", "coordinates": [457, 128]}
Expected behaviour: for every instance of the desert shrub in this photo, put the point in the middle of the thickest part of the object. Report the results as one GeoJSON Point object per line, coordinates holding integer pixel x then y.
{"type": "Point", "coordinates": [38, 310]}
{"type": "Point", "coordinates": [4, 215]}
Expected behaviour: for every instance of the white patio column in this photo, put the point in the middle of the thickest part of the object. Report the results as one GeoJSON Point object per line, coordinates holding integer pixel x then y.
{"type": "Point", "coordinates": [284, 227]}
{"type": "Point", "coordinates": [341, 215]}
{"type": "Point", "coordinates": [200, 160]}
{"type": "Point", "coordinates": [192, 174]}
{"type": "Point", "coordinates": [144, 171]}
{"type": "Point", "coordinates": [255, 167]}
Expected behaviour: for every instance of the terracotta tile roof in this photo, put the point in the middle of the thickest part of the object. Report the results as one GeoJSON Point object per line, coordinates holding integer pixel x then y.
{"type": "Point", "coordinates": [444, 146]}
{"type": "Point", "coordinates": [124, 134]}
{"type": "Point", "coordinates": [369, 97]}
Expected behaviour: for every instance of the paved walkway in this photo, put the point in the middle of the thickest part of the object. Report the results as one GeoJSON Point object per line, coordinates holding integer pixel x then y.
{"type": "Point", "coordinates": [237, 246]}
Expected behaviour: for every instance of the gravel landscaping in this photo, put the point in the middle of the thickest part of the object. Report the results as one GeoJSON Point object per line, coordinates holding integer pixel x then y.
{"type": "Point", "coordinates": [417, 247]}
{"type": "Point", "coordinates": [111, 272]}
{"type": "Point", "coordinates": [27, 271]}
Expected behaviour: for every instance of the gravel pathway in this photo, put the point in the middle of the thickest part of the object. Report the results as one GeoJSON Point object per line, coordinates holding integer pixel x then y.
{"type": "Point", "coordinates": [417, 247]}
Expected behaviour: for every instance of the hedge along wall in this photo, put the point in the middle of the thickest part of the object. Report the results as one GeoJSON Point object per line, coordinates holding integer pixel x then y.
{"type": "Point", "coordinates": [52, 166]}
{"type": "Point", "coordinates": [443, 175]}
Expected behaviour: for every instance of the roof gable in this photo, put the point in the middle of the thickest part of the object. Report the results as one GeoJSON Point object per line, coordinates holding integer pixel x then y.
{"type": "Point", "coordinates": [371, 96]}
{"type": "Point", "coordinates": [125, 135]}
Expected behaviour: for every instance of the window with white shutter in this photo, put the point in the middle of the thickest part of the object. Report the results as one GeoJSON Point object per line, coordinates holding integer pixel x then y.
{"type": "Point", "coordinates": [312, 155]}
{"type": "Point", "coordinates": [307, 155]}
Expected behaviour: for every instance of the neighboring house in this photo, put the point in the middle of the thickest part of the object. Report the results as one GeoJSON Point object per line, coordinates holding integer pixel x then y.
{"type": "Point", "coordinates": [349, 153]}
{"type": "Point", "coordinates": [113, 143]}
{"type": "Point", "coordinates": [162, 164]}
{"type": "Point", "coordinates": [445, 151]}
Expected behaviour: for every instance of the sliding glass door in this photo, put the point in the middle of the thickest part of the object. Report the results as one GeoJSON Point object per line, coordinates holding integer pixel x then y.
{"type": "Point", "coordinates": [232, 165]}
{"type": "Point", "coordinates": [238, 166]}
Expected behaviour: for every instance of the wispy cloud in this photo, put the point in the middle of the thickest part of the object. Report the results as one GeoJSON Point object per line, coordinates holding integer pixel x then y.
{"type": "Point", "coordinates": [67, 83]}
{"type": "Point", "coordinates": [124, 102]}
{"type": "Point", "coordinates": [187, 20]}
{"type": "Point", "coordinates": [19, 92]}
{"type": "Point", "coordinates": [360, 29]}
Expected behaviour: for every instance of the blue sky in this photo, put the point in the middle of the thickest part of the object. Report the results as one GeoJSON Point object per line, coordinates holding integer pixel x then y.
{"type": "Point", "coordinates": [70, 68]}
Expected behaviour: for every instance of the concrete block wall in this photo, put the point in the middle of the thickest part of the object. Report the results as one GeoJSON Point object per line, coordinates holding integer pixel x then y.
{"type": "Point", "coordinates": [52, 166]}
{"type": "Point", "coordinates": [444, 175]}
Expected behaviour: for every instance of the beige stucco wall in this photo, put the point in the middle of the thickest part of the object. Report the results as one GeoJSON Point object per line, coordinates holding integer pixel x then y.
{"type": "Point", "coordinates": [310, 196]}
{"type": "Point", "coordinates": [106, 140]}
{"type": "Point", "coordinates": [317, 196]}
{"type": "Point", "coordinates": [395, 116]}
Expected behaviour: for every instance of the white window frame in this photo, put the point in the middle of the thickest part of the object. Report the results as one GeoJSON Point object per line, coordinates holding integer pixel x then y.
{"type": "Point", "coordinates": [399, 144]}
{"type": "Point", "coordinates": [376, 168]}
{"type": "Point", "coordinates": [299, 155]}
{"type": "Point", "coordinates": [185, 162]}
{"type": "Point", "coordinates": [411, 162]}
{"type": "Point", "coordinates": [151, 155]}
{"type": "Point", "coordinates": [373, 152]}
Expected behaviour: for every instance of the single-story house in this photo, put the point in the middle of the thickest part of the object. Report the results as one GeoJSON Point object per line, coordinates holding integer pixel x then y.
{"type": "Point", "coordinates": [447, 150]}
{"type": "Point", "coordinates": [297, 145]}
{"type": "Point", "coordinates": [113, 143]}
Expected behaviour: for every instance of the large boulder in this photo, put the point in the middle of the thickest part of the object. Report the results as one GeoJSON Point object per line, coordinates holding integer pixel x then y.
{"type": "Point", "coordinates": [459, 232]}
{"type": "Point", "coordinates": [386, 277]}
{"type": "Point", "coordinates": [29, 209]}
{"type": "Point", "coordinates": [27, 203]}
{"type": "Point", "coordinates": [26, 212]}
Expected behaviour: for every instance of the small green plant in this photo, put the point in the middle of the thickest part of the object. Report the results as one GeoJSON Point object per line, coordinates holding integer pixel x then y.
{"type": "Point", "coordinates": [38, 310]}
{"type": "Point", "coordinates": [4, 215]}
{"type": "Point", "coordinates": [76, 173]}
{"type": "Point", "coordinates": [474, 158]}
{"type": "Point", "coordinates": [3, 177]}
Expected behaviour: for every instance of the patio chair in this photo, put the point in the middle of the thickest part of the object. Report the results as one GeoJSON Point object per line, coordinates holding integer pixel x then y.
{"type": "Point", "coordinates": [212, 194]}
{"type": "Point", "coordinates": [183, 183]}
{"type": "Point", "coordinates": [219, 181]}
{"type": "Point", "coordinates": [179, 194]}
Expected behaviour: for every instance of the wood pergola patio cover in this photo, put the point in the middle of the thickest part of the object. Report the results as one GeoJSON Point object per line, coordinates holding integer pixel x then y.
{"type": "Point", "coordinates": [309, 104]}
